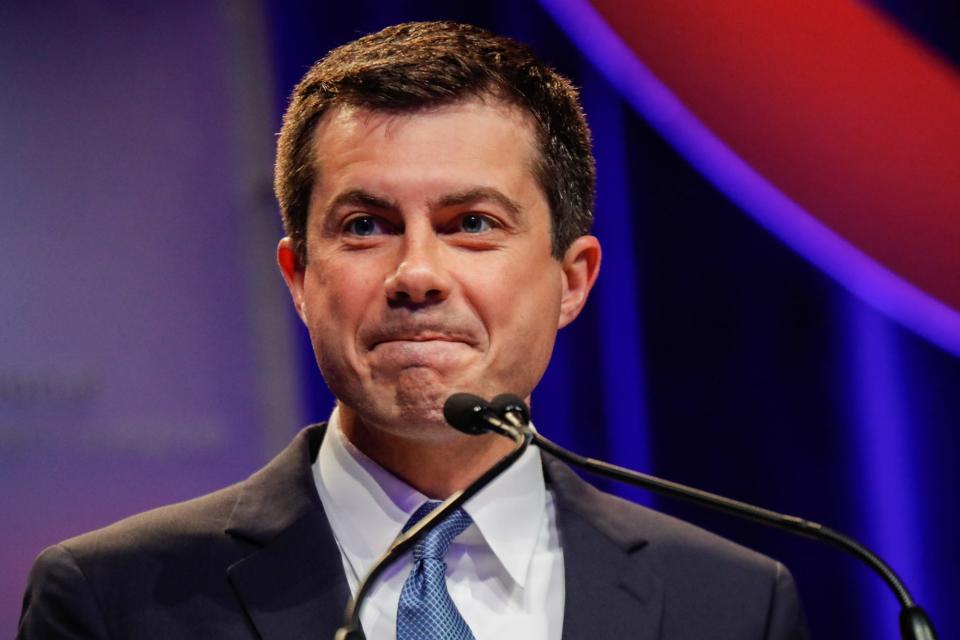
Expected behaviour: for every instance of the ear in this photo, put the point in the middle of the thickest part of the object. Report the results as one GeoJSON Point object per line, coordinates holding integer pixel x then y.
{"type": "Point", "coordinates": [581, 266]}
{"type": "Point", "coordinates": [292, 272]}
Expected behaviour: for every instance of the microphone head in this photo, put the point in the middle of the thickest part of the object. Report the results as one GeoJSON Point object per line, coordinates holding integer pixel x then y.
{"type": "Point", "coordinates": [508, 403]}
{"type": "Point", "coordinates": [464, 411]}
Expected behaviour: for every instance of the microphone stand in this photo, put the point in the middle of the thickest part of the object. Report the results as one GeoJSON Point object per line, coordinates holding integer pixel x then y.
{"type": "Point", "coordinates": [351, 629]}
{"type": "Point", "coordinates": [914, 623]}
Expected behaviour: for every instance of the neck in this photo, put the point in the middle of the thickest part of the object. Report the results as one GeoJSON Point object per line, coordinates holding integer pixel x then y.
{"type": "Point", "coordinates": [435, 466]}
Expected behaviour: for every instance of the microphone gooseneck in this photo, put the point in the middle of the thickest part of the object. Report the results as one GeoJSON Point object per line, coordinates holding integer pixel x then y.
{"type": "Point", "coordinates": [464, 410]}
{"type": "Point", "coordinates": [511, 408]}
{"type": "Point", "coordinates": [914, 623]}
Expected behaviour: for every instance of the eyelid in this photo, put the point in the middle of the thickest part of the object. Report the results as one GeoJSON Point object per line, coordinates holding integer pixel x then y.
{"type": "Point", "coordinates": [492, 220]}
{"type": "Point", "coordinates": [383, 225]}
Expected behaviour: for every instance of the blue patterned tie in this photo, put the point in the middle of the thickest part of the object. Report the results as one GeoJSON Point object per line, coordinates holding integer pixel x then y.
{"type": "Point", "coordinates": [426, 611]}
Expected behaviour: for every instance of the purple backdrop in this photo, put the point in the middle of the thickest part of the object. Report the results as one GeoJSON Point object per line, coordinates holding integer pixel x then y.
{"type": "Point", "coordinates": [140, 364]}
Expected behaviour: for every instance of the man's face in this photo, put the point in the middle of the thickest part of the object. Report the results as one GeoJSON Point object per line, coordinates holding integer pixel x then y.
{"type": "Point", "coordinates": [429, 268]}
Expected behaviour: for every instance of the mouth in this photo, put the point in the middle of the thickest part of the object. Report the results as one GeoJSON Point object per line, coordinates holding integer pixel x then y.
{"type": "Point", "coordinates": [417, 334]}
{"type": "Point", "coordinates": [439, 352]}
{"type": "Point", "coordinates": [417, 337]}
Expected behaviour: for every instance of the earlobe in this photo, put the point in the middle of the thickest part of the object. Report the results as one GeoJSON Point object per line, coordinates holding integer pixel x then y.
{"type": "Point", "coordinates": [581, 266]}
{"type": "Point", "coordinates": [292, 272]}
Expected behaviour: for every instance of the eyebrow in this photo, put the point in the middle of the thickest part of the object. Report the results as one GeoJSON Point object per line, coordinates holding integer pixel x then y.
{"type": "Point", "coordinates": [365, 199]}
{"type": "Point", "coordinates": [478, 194]}
{"type": "Point", "coordinates": [361, 198]}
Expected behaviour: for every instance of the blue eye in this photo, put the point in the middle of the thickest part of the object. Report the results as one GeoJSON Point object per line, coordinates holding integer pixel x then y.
{"type": "Point", "coordinates": [475, 223]}
{"type": "Point", "coordinates": [363, 226]}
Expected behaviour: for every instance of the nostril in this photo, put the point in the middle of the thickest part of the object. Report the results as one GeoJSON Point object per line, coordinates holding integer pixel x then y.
{"type": "Point", "coordinates": [417, 282]}
{"type": "Point", "coordinates": [398, 299]}
{"type": "Point", "coordinates": [403, 299]}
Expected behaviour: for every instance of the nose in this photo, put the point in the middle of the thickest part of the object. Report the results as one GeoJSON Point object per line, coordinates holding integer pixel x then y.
{"type": "Point", "coordinates": [421, 277]}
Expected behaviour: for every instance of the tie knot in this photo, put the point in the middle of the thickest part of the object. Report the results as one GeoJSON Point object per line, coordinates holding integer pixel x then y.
{"type": "Point", "coordinates": [436, 541]}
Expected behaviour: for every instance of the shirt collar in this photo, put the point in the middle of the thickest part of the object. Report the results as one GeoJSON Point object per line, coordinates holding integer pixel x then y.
{"type": "Point", "coordinates": [367, 505]}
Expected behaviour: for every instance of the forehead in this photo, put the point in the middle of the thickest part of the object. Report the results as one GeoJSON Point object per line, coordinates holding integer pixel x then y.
{"type": "Point", "coordinates": [484, 131]}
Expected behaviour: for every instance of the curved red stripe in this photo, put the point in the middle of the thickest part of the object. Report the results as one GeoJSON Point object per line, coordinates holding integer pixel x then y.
{"type": "Point", "coordinates": [845, 113]}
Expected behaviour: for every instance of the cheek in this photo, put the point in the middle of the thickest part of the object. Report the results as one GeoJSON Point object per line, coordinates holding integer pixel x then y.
{"type": "Point", "coordinates": [338, 296]}
{"type": "Point", "coordinates": [526, 309]}
{"type": "Point", "coordinates": [337, 288]}
{"type": "Point", "coordinates": [337, 300]}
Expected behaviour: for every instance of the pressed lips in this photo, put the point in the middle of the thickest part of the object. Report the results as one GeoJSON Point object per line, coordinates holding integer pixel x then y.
{"type": "Point", "coordinates": [416, 332]}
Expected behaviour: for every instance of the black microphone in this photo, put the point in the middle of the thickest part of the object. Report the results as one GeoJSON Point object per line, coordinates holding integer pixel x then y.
{"type": "Point", "coordinates": [464, 412]}
{"type": "Point", "coordinates": [914, 623]}
{"type": "Point", "coordinates": [472, 415]}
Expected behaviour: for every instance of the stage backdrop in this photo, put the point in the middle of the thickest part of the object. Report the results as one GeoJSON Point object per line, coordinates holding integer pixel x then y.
{"type": "Point", "coordinates": [149, 353]}
{"type": "Point", "coordinates": [145, 353]}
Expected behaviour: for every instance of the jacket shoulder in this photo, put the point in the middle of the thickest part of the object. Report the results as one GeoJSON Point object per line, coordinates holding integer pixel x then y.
{"type": "Point", "coordinates": [668, 539]}
{"type": "Point", "coordinates": [705, 579]}
{"type": "Point", "coordinates": [86, 586]}
{"type": "Point", "coordinates": [165, 530]}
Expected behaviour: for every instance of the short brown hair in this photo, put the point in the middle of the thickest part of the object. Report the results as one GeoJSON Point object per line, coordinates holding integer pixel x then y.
{"type": "Point", "coordinates": [417, 65]}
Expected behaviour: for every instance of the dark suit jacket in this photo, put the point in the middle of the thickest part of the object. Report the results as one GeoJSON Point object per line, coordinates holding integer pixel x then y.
{"type": "Point", "coordinates": [258, 560]}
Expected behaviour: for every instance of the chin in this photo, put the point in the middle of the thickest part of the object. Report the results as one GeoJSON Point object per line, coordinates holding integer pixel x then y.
{"type": "Point", "coordinates": [410, 406]}
{"type": "Point", "coordinates": [420, 406]}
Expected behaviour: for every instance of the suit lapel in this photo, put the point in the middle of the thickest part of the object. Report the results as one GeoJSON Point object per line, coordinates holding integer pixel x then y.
{"type": "Point", "coordinates": [610, 593]}
{"type": "Point", "coordinates": [292, 585]}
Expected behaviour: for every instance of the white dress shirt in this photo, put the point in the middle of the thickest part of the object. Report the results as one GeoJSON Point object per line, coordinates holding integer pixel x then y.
{"type": "Point", "coordinates": [504, 572]}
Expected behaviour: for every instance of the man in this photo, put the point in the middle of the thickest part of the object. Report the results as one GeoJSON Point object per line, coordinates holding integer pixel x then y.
{"type": "Point", "coordinates": [436, 186]}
